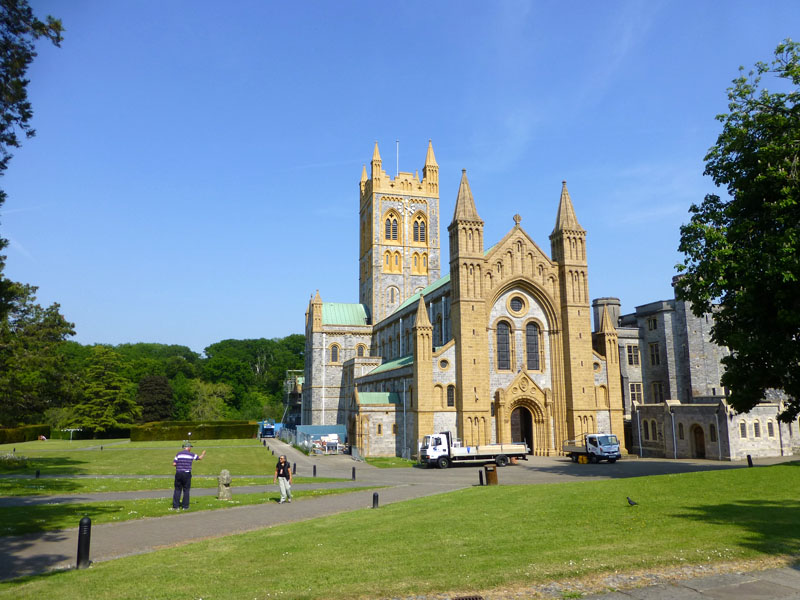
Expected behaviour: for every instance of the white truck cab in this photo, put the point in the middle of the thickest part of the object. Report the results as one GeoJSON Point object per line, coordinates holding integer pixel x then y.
{"type": "Point", "coordinates": [594, 447]}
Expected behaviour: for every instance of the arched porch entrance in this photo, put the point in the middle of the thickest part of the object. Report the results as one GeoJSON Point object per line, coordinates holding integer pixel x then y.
{"type": "Point", "coordinates": [698, 438]}
{"type": "Point", "coordinates": [522, 426]}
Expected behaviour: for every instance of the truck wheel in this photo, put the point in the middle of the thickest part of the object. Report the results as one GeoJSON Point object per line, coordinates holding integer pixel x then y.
{"type": "Point", "coordinates": [574, 457]}
{"type": "Point", "coordinates": [443, 462]}
{"type": "Point", "coordinates": [501, 460]}
{"type": "Point", "coordinates": [593, 459]}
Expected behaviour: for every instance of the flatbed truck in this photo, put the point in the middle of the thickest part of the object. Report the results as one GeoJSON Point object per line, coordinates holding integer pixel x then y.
{"type": "Point", "coordinates": [593, 448]}
{"type": "Point", "coordinates": [442, 449]}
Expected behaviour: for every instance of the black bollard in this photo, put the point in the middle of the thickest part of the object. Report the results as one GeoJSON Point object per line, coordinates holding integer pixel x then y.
{"type": "Point", "coordinates": [749, 461]}
{"type": "Point", "coordinates": [375, 500]}
{"type": "Point", "coordinates": [480, 477]}
{"type": "Point", "coordinates": [294, 469]}
{"type": "Point", "coordinates": [101, 448]}
{"type": "Point", "coordinates": [354, 473]}
{"type": "Point", "coordinates": [315, 471]}
{"type": "Point", "coordinates": [37, 473]}
{"type": "Point", "coordinates": [84, 539]}
{"type": "Point", "coordinates": [265, 443]}
{"type": "Point", "coordinates": [273, 451]}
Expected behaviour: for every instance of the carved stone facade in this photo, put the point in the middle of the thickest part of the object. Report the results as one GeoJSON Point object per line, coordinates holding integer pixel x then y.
{"type": "Point", "coordinates": [500, 349]}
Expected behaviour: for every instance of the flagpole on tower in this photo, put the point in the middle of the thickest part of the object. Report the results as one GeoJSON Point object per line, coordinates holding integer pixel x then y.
{"type": "Point", "coordinates": [398, 158]}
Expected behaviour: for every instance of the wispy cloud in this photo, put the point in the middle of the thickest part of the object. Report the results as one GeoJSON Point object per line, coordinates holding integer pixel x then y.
{"type": "Point", "coordinates": [624, 37]}
{"type": "Point", "coordinates": [18, 247]}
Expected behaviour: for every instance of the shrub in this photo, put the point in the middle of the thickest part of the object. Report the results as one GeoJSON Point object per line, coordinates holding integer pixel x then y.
{"type": "Point", "coordinates": [12, 462]}
{"type": "Point", "coordinates": [26, 433]}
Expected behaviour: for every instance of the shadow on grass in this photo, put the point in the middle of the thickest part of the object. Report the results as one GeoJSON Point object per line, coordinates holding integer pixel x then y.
{"type": "Point", "coordinates": [774, 528]}
{"type": "Point", "coordinates": [35, 517]}
{"type": "Point", "coordinates": [30, 485]}
{"type": "Point", "coordinates": [60, 465]}
{"type": "Point", "coordinates": [18, 556]}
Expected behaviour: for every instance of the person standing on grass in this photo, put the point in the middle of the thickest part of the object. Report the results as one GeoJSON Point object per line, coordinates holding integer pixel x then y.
{"type": "Point", "coordinates": [183, 475]}
{"type": "Point", "coordinates": [283, 475]}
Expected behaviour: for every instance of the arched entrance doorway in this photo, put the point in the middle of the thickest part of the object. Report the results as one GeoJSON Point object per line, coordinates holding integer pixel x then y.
{"type": "Point", "coordinates": [522, 426]}
{"type": "Point", "coordinates": [698, 442]}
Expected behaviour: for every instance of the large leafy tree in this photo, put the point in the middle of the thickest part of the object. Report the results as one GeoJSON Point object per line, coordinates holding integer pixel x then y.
{"type": "Point", "coordinates": [743, 251]}
{"type": "Point", "coordinates": [155, 397]}
{"type": "Point", "coordinates": [19, 31]}
{"type": "Point", "coordinates": [108, 397]}
{"type": "Point", "coordinates": [33, 374]}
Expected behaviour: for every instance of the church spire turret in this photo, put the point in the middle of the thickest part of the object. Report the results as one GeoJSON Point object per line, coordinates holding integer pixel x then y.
{"type": "Point", "coordinates": [606, 326]}
{"type": "Point", "coordinates": [468, 318]}
{"type": "Point", "coordinates": [422, 314]}
{"type": "Point", "coordinates": [315, 310]}
{"type": "Point", "coordinates": [376, 164]}
{"type": "Point", "coordinates": [364, 179]}
{"type": "Point", "coordinates": [566, 219]}
{"type": "Point", "coordinates": [465, 204]}
{"type": "Point", "coordinates": [430, 172]}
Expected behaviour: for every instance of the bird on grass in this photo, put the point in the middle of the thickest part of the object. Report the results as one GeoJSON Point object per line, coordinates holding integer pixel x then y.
{"type": "Point", "coordinates": [632, 502]}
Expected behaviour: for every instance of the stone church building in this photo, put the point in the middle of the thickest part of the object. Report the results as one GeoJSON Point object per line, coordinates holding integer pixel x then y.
{"type": "Point", "coordinates": [499, 349]}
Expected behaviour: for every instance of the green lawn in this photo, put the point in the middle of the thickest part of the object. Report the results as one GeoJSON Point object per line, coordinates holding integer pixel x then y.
{"type": "Point", "coordinates": [74, 485]}
{"type": "Point", "coordinates": [389, 462]}
{"type": "Point", "coordinates": [121, 457]}
{"type": "Point", "coordinates": [471, 540]}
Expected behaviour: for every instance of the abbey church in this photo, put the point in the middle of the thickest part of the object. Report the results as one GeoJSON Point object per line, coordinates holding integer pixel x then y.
{"type": "Point", "coordinates": [499, 349]}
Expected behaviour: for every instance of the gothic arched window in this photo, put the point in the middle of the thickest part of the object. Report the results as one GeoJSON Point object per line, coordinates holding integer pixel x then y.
{"type": "Point", "coordinates": [391, 227]}
{"type": "Point", "coordinates": [532, 346]}
{"type": "Point", "coordinates": [503, 346]}
{"type": "Point", "coordinates": [451, 395]}
{"type": "Point", "coordinates": [419, 229]}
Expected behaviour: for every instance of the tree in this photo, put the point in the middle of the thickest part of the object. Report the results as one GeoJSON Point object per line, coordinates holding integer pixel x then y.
{"type": "Point", "coordinates": [743, 252]}
{"type": "Point", "coordinates": [107, 401]}
{"type": "Point", "coordinates": [155, 398]}
{"type": "Point", "coordinates": [19, 31]}
{"type": "Point", "coordinates": [33, 374]}
{"type": "Point", "coordinates": [211, 401]}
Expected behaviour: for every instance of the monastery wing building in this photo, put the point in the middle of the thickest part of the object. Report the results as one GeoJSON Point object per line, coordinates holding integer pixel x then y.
{"type": "Point", "coordinates": [500, 349]}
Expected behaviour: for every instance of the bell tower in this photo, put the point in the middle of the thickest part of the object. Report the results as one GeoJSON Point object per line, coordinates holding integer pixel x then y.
{"type": "Point", "coordinates": [399, 234]}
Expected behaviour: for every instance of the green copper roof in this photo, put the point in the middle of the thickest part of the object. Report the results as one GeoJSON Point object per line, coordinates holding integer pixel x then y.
{"type": "Point", "coordinates": [403, 361]}
{"type": "Point", "coordinates": [340, 313]}
{"type": "Point", "coordinates": [431, 288]}
{"type": "Point", "coordinates": [379, 398]}
{"type": "Point", "coordinates": [434, 286]}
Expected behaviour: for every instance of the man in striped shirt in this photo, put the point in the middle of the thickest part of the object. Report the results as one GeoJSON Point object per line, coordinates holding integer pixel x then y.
{"type": "Point", "coordinates": [183, 475]}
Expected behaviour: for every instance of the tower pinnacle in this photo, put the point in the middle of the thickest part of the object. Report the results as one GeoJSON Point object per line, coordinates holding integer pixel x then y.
{"type": "Point", "coordinates": [566, 219]}
{"type": "Point", "coordinates": [465, 204]}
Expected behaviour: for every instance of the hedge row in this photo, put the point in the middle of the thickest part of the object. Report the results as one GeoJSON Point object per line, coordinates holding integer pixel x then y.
{"type": "Point", "coordinates": [190, 423]}
{"type": "Point", "coordinates": [222, 430]}
{"type": "Point", "coordinates": [26, 433]}
{"type": "Point", "coordinates": [88, 434]}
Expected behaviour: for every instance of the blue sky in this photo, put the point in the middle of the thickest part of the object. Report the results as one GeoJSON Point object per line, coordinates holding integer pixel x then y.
{"type": "Point", "coordinates": [195, 171]}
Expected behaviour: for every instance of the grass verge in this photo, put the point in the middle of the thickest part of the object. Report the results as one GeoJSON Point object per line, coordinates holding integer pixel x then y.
{"type": "Point", "coordinates": [475, 539]}
{"type": "Point", "coordinates": [389, 462]}
{"type": "Point", "coordinates": [52, 486]}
